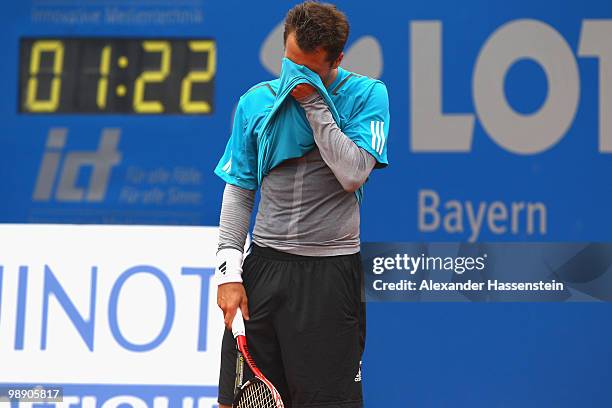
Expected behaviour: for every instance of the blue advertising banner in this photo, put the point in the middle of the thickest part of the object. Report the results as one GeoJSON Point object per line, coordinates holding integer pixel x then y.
{"type": "Point", "coordinates": [500, 115]}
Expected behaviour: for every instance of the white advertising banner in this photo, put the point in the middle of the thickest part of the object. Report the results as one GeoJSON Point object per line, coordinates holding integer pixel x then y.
{"type": "Point", "coordinates": [109, 305]}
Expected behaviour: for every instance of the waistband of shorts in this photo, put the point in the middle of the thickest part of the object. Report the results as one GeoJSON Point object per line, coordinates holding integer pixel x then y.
{"type": "Point", "coordinates": [271, 253]}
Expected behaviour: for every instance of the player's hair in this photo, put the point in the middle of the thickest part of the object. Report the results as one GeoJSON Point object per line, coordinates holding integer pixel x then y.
{"type": "Point", "coordinates": [318, 25]}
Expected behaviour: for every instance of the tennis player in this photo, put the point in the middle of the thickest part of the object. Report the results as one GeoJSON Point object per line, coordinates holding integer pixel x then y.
{"type": "Point", "coordinates": [300, 287]}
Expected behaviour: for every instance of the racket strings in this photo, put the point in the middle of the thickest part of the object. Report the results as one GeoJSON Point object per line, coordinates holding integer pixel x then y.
{"type": "Point", "coordinates": [256, 395]}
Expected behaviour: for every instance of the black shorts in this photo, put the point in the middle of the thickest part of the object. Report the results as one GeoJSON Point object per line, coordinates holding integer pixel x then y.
{"type": "Point", "coordinates": [306, 331]}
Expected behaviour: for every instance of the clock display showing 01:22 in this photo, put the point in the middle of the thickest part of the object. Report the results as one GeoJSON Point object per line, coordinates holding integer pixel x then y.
{"type": "Point", "coordinates": [117, 75]}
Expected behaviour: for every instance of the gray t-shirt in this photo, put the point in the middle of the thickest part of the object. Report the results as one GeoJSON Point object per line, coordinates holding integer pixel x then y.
{"type": "Point", "coordinates": [304, 210]}
{"type": "Point", "coordinates": [307, 205]}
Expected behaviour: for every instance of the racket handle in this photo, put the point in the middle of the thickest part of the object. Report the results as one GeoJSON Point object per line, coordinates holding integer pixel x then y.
{"type": "Point", "coordinates": [238, 324]}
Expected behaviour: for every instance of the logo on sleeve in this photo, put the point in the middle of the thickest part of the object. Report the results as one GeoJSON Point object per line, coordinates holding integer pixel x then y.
{"type": "Point", "coordinates": [378, 135]}
{"type": "Point", "coordinates": [227, 167]}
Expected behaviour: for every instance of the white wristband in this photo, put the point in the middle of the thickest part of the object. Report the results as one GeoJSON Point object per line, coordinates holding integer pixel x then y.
{"type": "Point", "coordinates": [229, 266]}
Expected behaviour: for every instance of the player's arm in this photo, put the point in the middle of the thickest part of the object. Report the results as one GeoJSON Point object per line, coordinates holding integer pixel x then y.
{"type": "Point", "coordinates": [350, 164]}
{"type": "Point", "coordinates": [234, 222]}
{"type": "Point", "coordinates": [238, 168]}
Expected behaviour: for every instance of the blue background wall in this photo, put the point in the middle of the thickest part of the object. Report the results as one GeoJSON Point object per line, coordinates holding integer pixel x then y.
{"type": "Point", "coordinates": [425, 354]}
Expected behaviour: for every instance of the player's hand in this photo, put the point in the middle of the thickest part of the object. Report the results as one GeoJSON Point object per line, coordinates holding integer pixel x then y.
{"type": "Point", "coordinates": [230, 296]}
{"type": "Point", "coordinates": [302, 91]}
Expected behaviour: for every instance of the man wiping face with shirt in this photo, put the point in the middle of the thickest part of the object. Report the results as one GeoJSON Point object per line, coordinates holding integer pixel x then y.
{"type": "Point", "coordinates": [308, 141]}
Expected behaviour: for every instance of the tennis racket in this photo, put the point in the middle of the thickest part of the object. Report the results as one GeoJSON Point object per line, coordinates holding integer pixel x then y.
{"type": "Point", "coordinates": [257, 392]}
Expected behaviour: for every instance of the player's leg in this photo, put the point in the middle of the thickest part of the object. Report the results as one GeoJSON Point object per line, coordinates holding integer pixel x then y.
{"type": "Point", "coordinates": [321, 330]}
{"type": "Point", "coordinates": [227, 375]}
{"type": "Point", "coordinates": [261, 287]}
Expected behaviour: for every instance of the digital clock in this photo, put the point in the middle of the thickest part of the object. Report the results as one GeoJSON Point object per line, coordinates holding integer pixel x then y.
{"type": "Point", "coordinates": [117, 75]}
